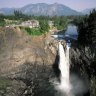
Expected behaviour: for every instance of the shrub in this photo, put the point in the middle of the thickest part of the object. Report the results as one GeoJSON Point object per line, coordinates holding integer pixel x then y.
{"type": "Point", "coordinates": [33, 31]}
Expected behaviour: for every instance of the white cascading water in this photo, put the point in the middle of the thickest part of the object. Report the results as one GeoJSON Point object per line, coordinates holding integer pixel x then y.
{"type": "Point", "coordinates": [64, 66]}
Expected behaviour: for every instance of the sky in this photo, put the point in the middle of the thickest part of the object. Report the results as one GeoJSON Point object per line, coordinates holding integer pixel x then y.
{"type": "Point", "coordinates": [78, 5]}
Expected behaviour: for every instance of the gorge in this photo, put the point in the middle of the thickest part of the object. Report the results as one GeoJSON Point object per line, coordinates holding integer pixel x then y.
{"type": "Point", "coordinates": [27, 64]}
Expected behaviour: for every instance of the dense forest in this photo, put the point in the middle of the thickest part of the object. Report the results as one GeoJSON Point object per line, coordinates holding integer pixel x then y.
{"type": "Point", "coordinates": [59, 22]}
{"type": "Point", "coordinates": [87, 29]}
{"type": "Point", "coordinates": [87, 46]}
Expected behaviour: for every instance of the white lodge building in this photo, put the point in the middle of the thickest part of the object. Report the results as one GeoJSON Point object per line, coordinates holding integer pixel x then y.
{"type": "Point", "coordinates": [30, 23]}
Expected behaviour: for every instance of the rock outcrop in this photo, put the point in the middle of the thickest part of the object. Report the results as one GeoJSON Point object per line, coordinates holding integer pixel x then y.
{"type": "Point", "coordinates": [27, 63]}
{"type": "Point", "coordinates": [17, 48]}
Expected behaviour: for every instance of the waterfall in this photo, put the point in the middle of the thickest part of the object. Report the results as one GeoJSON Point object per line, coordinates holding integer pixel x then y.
{"type": "Point", "coordinates": [64, 66]}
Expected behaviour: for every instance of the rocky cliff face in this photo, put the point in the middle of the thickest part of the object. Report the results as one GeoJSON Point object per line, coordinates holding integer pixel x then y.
{"type": "Point", "coordinates": [82, 60]}
{"type": "Point", "coordinates": [28, 64]}
{"type": "Point", "coordinates": [17, 48]}
{"type": "Point", "coordinates": [26, 60]}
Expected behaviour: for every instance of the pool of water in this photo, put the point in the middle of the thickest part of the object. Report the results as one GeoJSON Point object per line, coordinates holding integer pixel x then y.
{"type": "Point", "coordinates": [70, 34]}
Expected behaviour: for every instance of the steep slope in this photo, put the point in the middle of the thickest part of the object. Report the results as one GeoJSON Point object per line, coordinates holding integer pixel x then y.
{"type": "Point", "coordinates": [87, 11]}
{"type": "Point", "coordinates": [43, 9]}
{"type": "Point", "coordinates": [7, 11]}
{"type": "Point", "coordinates": [35, 9]}
{"type": "Point", "coordinates": [59, 10]}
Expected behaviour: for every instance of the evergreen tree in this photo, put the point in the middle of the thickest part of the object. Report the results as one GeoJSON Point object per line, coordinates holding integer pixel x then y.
{"type": "Point", "coordinates": [44, 26]}
{"type": "Point", "coordinates": [2, 22]}
{"type": "Point", "coordinates": [87, 29]}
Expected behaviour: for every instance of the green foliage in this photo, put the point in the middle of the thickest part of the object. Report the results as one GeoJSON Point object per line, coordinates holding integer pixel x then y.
{"type": "Point", "coordinates": [87, 29]}
{"type": "Point", "coordinates": [4, 82]}
{"type": "Point", "coordinates": [87, 38]}
{"type": "Point", "coordinates": [19, 15]}
{"type": "Point", "coordinates": [60, 22]}
{"type": "Point", "coordinates": [44, 27]}
{"type": "Point", "coordinates": [2, 22]}
{"type": "Point", "coordinates": [33, 31]}
{"type": "Point", "coordinates": [77, 19]}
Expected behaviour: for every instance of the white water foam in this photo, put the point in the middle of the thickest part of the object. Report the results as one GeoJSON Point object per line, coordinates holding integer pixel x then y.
{"type": "Point", "coordinates": [68, 85]}
{"type": "Point", "coordinates": [65, 85]}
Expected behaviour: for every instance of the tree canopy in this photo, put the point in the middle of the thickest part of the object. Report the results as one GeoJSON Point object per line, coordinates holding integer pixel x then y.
{"type": "Point", "coordinates": [87, 29]}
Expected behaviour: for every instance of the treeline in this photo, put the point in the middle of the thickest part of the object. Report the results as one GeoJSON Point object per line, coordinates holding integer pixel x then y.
{"type": "Point", "coordinates": [87, 29]}
{"type": "Point", "coordinates": [59, 22]}
{"type": "Point", "coordinates": [87, 46]}
{"type": "Point", "coordinates": [2, 22]}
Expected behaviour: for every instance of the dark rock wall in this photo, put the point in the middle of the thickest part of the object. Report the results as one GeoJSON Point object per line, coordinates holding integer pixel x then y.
{"type": "Point", "coordinates": [34, 62]}
{"type": "Point", "coordinates": [83, 63]}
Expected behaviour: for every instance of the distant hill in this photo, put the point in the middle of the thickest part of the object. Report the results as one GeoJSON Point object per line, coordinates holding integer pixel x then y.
{"type": "Point", "coordinates": [87, 11]}
{"type": "Point", "coordinates": [43, 9]}
{"type": "Point", "coordinates": [7, 11]}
